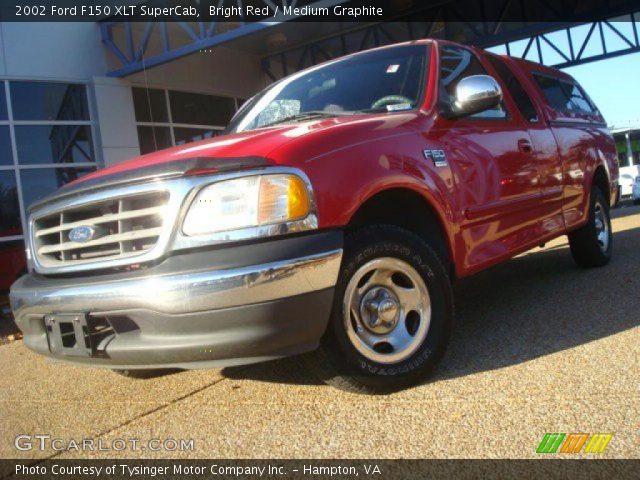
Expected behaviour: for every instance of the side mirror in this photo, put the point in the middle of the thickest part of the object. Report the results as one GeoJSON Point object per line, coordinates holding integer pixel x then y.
{"type": "Point", "coordinates": [476, 94]}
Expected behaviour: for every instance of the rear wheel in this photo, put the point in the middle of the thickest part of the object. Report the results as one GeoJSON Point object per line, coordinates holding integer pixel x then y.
{"type": "Point", "coordinates": [392, 313]}
{"type": "Point", "coordinates": [591, 245]}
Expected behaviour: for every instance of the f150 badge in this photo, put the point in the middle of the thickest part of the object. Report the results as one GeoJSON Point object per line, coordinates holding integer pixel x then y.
{"type": "Point", "coordinates": [437, 156]}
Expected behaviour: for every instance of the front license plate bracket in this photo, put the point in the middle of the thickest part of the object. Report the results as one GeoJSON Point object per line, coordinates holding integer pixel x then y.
{"type": "Point", "coordinates": [68, 334]}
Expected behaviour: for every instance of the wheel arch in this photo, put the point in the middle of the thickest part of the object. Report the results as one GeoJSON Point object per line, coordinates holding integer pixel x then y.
{"type": "Point", "coordinates": [407, 208]}
{"type": "Point", "coordinates": [600, 179]}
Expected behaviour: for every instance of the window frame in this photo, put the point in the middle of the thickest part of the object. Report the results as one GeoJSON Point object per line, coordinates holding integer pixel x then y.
{"type": "Point", "coordinates": [170, 124]}
{"type": "Point", "coordinates": [585, 97]}
{"type": "Point", "coordinates": [513, 71]}
{"type": "Point", "coordinates": [15, 165]}
{"type": "Point", "coordinates": [470, 118]}
{"type": "Point", "coordinates": [569, 81]}
{"type": "Point", "coordinates": [51, 81]}
{"type": "Point", "coordinates": [424, 80]}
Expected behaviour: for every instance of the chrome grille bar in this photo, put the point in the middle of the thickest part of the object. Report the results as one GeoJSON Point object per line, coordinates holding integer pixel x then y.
{"type": "Point", "coordinates": [122, 226]}
{"type": "Point", "coordinates": [136, 223]}
{"type": "Point", "coordinates": [122, 215]}
{"type": "Point", "coordinates": [117, 238]}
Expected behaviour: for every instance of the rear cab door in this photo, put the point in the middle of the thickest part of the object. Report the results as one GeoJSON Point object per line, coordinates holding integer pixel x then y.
{"type": "Point", "coordinates": [581, 134]}
{"type": "Point", "coordinates": [529, 107]}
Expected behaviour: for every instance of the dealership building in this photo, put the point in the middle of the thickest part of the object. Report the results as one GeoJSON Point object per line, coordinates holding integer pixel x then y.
{"type": "Point", "coordinates": [62, 115]}
{"type": "Point", "coordinates": [79, 96]}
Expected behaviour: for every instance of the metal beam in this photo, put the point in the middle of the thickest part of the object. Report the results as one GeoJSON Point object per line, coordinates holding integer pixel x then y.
{"type": "Point", "coordinates": [536, 38]}
{"type": "Point", "coordinates": [138, 62]}
{"type": "Point", "coordinates": [574, 52]}
{"type": "Point", "coordinates": [132, 56]}
{"type": "Point", "coordinates": [432, 19]}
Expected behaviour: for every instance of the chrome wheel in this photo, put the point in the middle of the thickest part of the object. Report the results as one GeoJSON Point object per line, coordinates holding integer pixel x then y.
{"type": "Point", "coordinates": [387, 310]}
{"type": "Point", "coordinates": [602, 227]}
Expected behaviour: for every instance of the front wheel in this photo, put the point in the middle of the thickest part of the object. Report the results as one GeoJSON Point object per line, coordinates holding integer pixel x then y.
{"type": "Point", "coordinates": [392, 313]}
{"type": "Point", "coordinates": [592, 244]}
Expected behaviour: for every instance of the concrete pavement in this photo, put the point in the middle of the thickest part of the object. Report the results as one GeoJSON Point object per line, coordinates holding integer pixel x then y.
{"type": "Point", "coordinates": [540, 346]}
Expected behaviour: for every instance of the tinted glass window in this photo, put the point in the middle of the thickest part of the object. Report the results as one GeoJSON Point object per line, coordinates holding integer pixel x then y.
{"type": "Point", "coordinates": [150, 105]}
{"type": "Point", "coordinates": [3, 102]}
{"type": "Point", "coordinates": [186, 135]}
{"type": "Point", "coordinates": [49, 101]}
{"type": "Point", "coordinates": [515, 88]}
{"type": "Point", "coordinates": [577, 99]}
{"type": "Point", "coordinates": [197, 109]}
{"type": "Point", "coordinates": [455, 64]}
{"type": "Point", "coordinates": [563, 95]}
{"type": "Point", "coordinates": [153, 138]}
{"type": "Point", "coordinates": [552, 91]}
{"type": "Point", "coordinates": [54, 144]}
{"type": "Point", "coordinates": [9, 208]}
{"type": "Point", "coordinates": [39, 182]}
{"type": "Point", "coordinates": [5, 146]}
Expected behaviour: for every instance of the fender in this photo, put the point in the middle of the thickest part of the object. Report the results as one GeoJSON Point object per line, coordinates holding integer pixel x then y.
{"type": "Point", "coordinates": [435, 200]}
{"type": "Point", "coordinates": [595, 160]}
{"type": "Point", "coordinates": [363, 179]}
{"type": "Point", "coordinates": [610, 166]}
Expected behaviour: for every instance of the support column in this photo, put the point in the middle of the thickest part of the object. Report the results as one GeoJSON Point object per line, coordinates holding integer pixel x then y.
{"type": "Point", "coordinates": [116, 121]}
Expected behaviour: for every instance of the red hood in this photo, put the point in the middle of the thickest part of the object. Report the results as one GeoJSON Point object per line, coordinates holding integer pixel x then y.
{"type": "Point", "coordinates": [255, 143]}
{"type": "Point", "coordinates": [304, 141]}
{"type": "Point", "coordinates": [238, 145]}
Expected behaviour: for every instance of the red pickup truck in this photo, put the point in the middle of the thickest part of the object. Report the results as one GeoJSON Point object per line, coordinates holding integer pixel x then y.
{"type": "Point", "coordinates": [332, 216]}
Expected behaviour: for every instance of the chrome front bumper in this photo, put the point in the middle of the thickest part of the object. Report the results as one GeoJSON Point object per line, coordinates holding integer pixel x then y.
{"type": "Point", "coordinates": [196, 310]}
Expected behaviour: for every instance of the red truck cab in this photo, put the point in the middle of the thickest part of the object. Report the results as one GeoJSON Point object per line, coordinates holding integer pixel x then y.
{"type": "Point", "coordinates": [332, 216]}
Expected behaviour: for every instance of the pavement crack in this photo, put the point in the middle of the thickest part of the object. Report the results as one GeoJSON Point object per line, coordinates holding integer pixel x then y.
{"type": "Point", "coordinates": [138, 417]}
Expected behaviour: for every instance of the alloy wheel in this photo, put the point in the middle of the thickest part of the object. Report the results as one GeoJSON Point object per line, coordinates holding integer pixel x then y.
{"type": "Point", "coordinates": [387, 310]}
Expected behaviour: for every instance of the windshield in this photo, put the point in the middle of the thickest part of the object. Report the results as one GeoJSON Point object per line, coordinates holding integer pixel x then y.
{"type": "Point", "coordinates": [386, 80]}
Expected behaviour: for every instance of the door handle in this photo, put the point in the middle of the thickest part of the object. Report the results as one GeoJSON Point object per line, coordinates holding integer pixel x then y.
{"type": "Point", "coordinates": [525, 146]}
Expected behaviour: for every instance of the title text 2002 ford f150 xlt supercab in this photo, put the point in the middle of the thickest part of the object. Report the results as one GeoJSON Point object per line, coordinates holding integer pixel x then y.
{"type": "Point", "coordinates": [331, 217]}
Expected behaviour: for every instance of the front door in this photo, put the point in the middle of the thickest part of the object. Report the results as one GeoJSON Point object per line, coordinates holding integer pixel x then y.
{"type": "Point", "coordinates": [494, 167]}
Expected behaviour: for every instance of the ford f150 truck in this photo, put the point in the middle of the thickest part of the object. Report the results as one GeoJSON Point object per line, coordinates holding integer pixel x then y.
{"type": "Point", "coordinates": [332, 216]}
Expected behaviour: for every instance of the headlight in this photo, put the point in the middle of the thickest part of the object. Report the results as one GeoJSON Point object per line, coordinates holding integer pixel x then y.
{"type": "Point", "coordinates": [247, 202]}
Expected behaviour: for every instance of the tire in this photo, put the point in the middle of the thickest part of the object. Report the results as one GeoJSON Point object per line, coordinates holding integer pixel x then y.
{"type": "Point", "coordinates": [636, 201]}
{"type": "Point", "coordinates": [145, 373]}
{"type": "Point", "coordinates": [385, 269]}
{"type": "Point", "coordinates": [592, 244]}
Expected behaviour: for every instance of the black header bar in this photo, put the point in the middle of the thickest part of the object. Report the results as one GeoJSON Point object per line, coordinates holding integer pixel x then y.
{"type": "Point", "coordinates": [494, 11]}
{"type": "Point", "coordinates": [316, 469]}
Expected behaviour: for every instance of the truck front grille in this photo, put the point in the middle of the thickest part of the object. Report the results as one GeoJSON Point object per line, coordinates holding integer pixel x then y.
{"type": "Point", "coordinates": [122, 227]}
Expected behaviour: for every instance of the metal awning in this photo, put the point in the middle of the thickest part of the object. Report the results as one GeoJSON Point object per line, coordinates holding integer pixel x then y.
{"type": "Point", "coordinates": [132, 42]}
{"type": "Point", "coordinates": [285, 46]}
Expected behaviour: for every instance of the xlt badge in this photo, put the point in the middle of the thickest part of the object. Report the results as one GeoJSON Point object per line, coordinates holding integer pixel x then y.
{"type": "Point", "coordinates": [438, 156]}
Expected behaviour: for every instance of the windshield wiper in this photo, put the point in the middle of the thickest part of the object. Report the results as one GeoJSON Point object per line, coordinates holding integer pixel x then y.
{"type": "Point", "coordinates": [298, 117]}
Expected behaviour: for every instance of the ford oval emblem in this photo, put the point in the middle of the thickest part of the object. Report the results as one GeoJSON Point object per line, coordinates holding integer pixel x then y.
{"type": "Point", "coordinates": [82, 234]}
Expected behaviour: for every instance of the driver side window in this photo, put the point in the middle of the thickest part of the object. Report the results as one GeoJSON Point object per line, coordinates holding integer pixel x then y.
{"type": "Point", "coordinates": [457, 63]}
